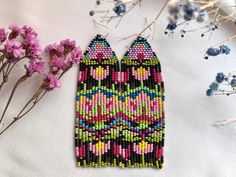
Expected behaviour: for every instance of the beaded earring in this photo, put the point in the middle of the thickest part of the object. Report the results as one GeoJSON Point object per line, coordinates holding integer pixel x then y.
{"type": "Point", "coordinates": [143, 106]}
{"type": "Point", "coordinates": [119, 110]}
{"type": "Point", "coordinates": [96, 105]}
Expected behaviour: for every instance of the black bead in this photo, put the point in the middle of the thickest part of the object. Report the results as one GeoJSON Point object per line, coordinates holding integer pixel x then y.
{"type": "Point", "coordinates": [91, 13]}
{"type": "Point", "coordinates": [98, 2]}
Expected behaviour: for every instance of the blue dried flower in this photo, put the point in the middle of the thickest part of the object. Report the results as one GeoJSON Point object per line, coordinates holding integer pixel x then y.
{"type": "Point", "coordinates": [209, 92]}
{"type": "Point", "coordinates": [225, 49]}
{"type": "Point", "coordinates": [171, 26]}
{"type": "Point", "coordinates": [213, 51]}
{"type": "Point", "coordinates": [120, 8]}
{"type": "Point", "coordinates": [233, 82]}
{"type": "Point", "coordinates": [220, 77]}
{"type": "Point", "coordinates": [214, 86]}
{"type": "Point", "coordinates": [190, 8]}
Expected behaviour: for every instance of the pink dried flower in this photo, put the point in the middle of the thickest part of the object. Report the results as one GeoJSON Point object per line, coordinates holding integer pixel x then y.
{"type": "Point", "coordinates": [15, 28]}
{"type": "Point", "coordinates": [52, 81]}
{"type": "Point", "coordinates": [28, 32]}
{"type": "Point", "coordinates": [54, 49]}
{"type": "Point", "coordinates": [15, 31]}
{"type": "Point", "coordinates": [30, 43]}
{"type": "Point", "coordinates": [68, 44]}
{"type": "Point", "coordinates": [33, 49]}
{"type": "Point", "coordinates": [75, 56]}
{"type": "Point", "coordinates": [57, 63]}
{"type": "Point", "coordinates": [3, 35]}
{"type": "Point", "coordinates": [35, 67]}
{"type": "Point", "coordinates": [14, 49]}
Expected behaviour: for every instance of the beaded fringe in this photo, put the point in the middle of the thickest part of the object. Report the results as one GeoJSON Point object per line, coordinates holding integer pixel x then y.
{"type": "Point", "coordinates": [120, 117]}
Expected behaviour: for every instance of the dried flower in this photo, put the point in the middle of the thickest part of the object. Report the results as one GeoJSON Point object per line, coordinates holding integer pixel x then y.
{"type": "Point", "coordinates": [15, 28]}
{"type": "Point", "coordinates": [233, 82]}
{"type": "Point", "coordinates": [209, 92]}
{"type": "Point", "coordinates": [23, 43]}
{"type": "Point", "coordinates": [14, 49]}
{"type": "Point", "coordinates": [75, 56]}
{"type": "Point", "coordinates": [120, 8]}
{"type": "Point", "coordinates": [57, 63]}
{"type": "Point", "coordinates": [33, 49]}
{"type": "Point", "coordinates": [52, 81]}
{"type": "Point", "coordinates": [225, 49]}
{"type": "Point", "coordinates": [28, 32]}
{"type": "Point", "coordinates": [214, 86]}
{"type": "Point", "coordinates": [68, 45]}
{"type": "Point", "coordinates": [220, 77]}
{"type": "Point", "coordinates": [35, 67]}
{"type": "Point", "coordinates": [30, 43]}
{"type": "Point", "coordinates": [171, 26]}
{"type": "Point", "coordinates": [54, 49]}
{"type": "Point", "coordinates": [15, 31]}
{"type": "Point", "coordinates": [3, 35]}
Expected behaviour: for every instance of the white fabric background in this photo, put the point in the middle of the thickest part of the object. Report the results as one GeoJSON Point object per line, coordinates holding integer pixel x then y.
{"type": "Point", "coordinates": [42, 144]}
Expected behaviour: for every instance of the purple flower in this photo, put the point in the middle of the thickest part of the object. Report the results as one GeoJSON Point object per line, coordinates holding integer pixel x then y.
{"type": "Point", "coordinates": [30, 43]}
{"type": "Point", "coordinates": [3, 35]}
{"type": "Point", "coordinates": [57, 63]}
{"type": "Point", "coordinates": [35, 67]}
{"type": "Point", "coordinates": [15, 28]}
{"type": "Point", "coordinates": [14, 49]}
{"type": "Point", "coordinates": [28, 32]}
{"type": "Point", "coordinates": [15, 31]}
{"type": "Point", "coordinates": [33, 49]}
{"type": "Point", "coordinates": [52, 81]}
{"type": "Point", "coordinates": [54, 49]}
{"type": "Point", "coordinates": [75, 56]}
{"type": "Point", "coordinates": [68, 44]}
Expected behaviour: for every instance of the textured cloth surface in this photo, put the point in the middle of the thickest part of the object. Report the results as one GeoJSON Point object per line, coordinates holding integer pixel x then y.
{"type": "Point", "coordinates": [120, 108]}
{"type": "Point", "coordinates": [42, 145]}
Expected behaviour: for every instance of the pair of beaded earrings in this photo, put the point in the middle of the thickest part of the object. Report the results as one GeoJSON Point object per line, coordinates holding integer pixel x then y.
{"type": "Point", "coordinates": [120, 117]}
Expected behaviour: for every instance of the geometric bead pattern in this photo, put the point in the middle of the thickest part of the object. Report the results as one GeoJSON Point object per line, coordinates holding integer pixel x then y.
{"type": "Point", "coordinates": [120, 117]}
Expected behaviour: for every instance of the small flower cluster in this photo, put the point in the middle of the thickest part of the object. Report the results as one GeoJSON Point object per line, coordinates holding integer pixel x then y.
{"type": "Point", "coordinates": [222, 80]}
{"type": "Point", "coordinates": [62, 57]}
{"type": "Point", "coordinates": [20, 43]}
{"type": "Point", "coordinates": [119, 8]}
{"type": "Point", "coordinates": [187, 10]}
{"type": "Point", "coordinates": [223, 49]}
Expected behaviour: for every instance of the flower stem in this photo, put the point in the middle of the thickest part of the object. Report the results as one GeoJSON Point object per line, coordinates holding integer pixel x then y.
{"type": "Point", "coordinates": [5, 74]}
{"type": "Point", "coordinates": [156, 18]}
{"type": "Point", "coordinates": [38, 95]}
{"type": "Point", "coordinates": [3, 66]}
{"type": "Point", "coordinates": [21, 79]}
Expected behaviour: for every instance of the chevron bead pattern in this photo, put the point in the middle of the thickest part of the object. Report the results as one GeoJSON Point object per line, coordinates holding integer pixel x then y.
{"type": "Point", "coordinates": [120, 110]}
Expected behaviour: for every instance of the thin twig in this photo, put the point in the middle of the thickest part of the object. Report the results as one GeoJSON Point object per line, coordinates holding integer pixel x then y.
{"type": "Point", "coordinates": [156, 18]}
{"type": "Point", "coordinates": [34, 99]}
{"type": "Point", "coordinates": [21, 79]}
